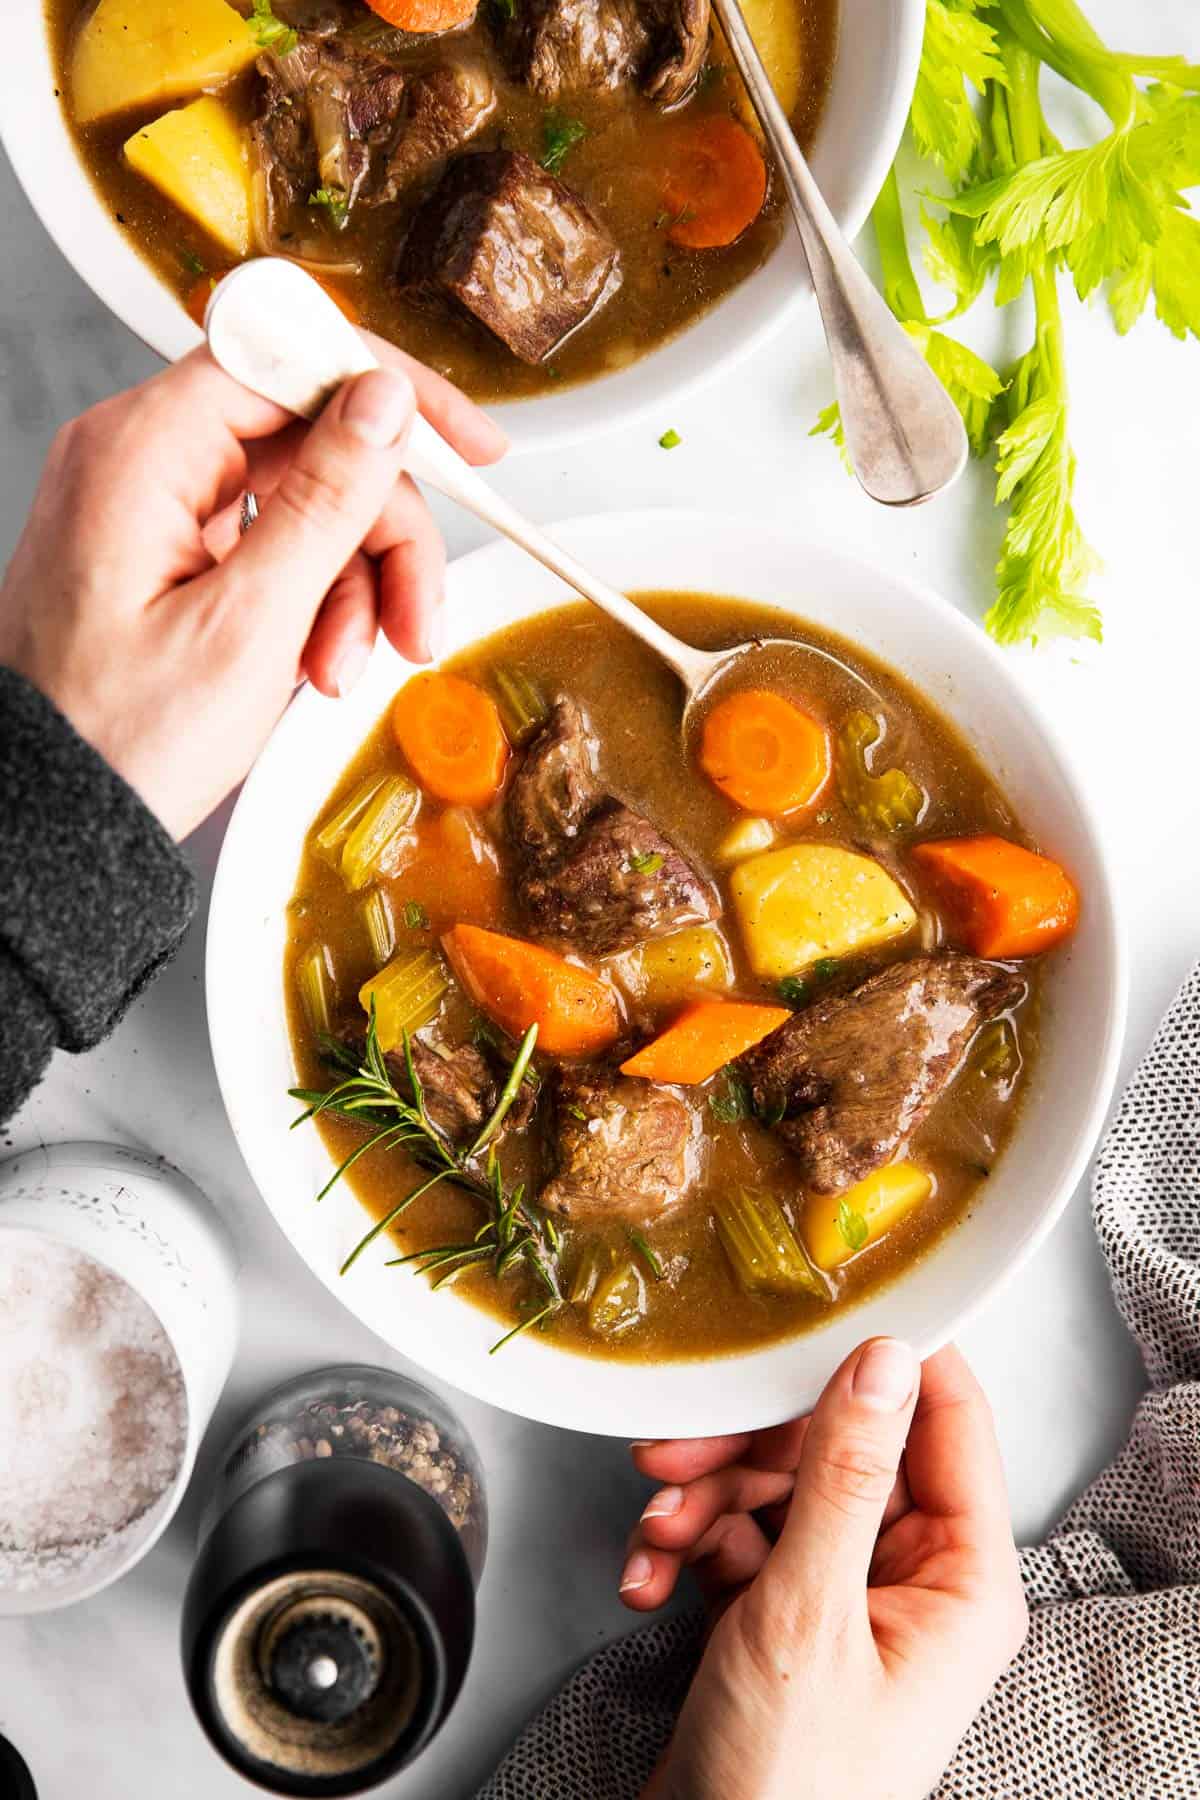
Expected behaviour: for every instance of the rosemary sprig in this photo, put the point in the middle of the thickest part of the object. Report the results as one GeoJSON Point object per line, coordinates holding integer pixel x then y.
{"type": "Point", "coordinates": [513, 1232]}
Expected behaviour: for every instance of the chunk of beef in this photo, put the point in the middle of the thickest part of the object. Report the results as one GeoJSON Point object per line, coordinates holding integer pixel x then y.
{"type": "Point", "coordinates": [622, 883]}
{"type": "Point", "coordinates": [511, 246]}
{"type": "Point", "coordinates": [446, 106]}
{"type": "Point", "coordinates": [846, 1082]}
{"type": "Point", "coordinates": [562, 47]}
{"type": "Point", "coordinates": [461, 1086]}
{"type": "Point", "coordinates": [602, 878]}
{"type": "Point", "coordinates": [554, 790]}
{"type": "Point", "coordinates": [625, 1148]}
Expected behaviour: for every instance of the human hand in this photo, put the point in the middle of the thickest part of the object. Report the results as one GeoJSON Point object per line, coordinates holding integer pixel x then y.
{"type": "Point", "coordinates": [851, 1653]}
{"type": "Point", "coordinates": [171, 645]}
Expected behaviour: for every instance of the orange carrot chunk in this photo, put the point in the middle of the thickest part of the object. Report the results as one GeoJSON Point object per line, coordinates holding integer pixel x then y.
{"type": "Point", "coordinates": [764, 753]}
{"type": "Point", "coordinates": [703, 1039]}
{"type": "Point", "coordinates": [715, 184]}
{"type": "Point", "coordinates": [451, 735]}
{"type": "Point", "coordinates": [425, 15]}
{"type": "Point", "coordinates": [519, 985]}
{"type": "Point", "coordinates": [999, 898]}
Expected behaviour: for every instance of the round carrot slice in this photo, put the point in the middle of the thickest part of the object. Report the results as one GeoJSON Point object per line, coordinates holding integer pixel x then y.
{"type": "Point", "coordinates": [451, 735]}
{"type": "Point", "coordinates": [715, 184]}
{"type": "Point", "coordinates": [764, 753]}
{"type": "Point", "coordinates": [425, 15]}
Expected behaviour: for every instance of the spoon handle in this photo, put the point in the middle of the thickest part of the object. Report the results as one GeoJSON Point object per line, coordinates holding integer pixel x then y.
{"type": "Point", "coordinates": [279, 334]}
{"type": "Point", "coordinates": [904, 433]}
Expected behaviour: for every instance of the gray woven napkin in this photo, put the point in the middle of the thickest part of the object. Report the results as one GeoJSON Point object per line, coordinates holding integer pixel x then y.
{"type": "Point", "coordinates": [1103, 1702]}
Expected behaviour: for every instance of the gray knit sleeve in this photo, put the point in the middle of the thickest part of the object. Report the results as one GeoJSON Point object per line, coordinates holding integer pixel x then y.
{"type": "Point", "coordinates": [94, 895]}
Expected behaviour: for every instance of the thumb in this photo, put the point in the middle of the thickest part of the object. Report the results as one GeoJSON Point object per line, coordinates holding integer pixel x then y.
{"type": "Point", "coordinates": [327, 500]}
{"type": "Point", "coordinates": [848, 1466]}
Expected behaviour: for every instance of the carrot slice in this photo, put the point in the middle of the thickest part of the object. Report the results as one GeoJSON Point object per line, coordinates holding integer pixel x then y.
{"type": "Point", "coordinates": [450, 732]}
{"type": "Point", "coordinates": [764, 753]}
{"type": "Point", "coordinates": [199, 294]}
{"type": "Point", "coordinates": [703, 1039]}
{"type": "Point", "coordinates": [1001, 899]}
{"type": "Point", "coordinates": [715, 185]}
{"type": "Point", "coordinates": [425, 15]}
{"type": "Point", "coordinates": [519, 985]}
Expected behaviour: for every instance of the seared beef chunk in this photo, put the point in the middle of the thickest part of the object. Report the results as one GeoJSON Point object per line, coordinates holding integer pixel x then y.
{"type": "Point", "coordinates": [340, 119]}
{"type": "Point", "coordinates": [508, 244]}
{"type": "Point", "coordinates": [623, 883]}
{"type": "Point", "coordinates": [562, 47]}
{"type": "Point", "coordinates": [555, 790]}
{"type": "Point", "coordinates": [846, 1082]}
{"type": "Point", "coordinates": [624, 1147]}
{"type": "Point", "coordinates": [602, 878]}
{"type": "Point", "coordinates": [461, 1086]}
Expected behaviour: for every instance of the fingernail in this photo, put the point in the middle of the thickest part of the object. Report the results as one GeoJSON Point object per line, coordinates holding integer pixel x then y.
{"type": "Point", "coordinates": [378, 408]}
{"type": "Point", "coordinates": [643, 1443]}
{"type": "Point", "coordinates": [637, 1572]}
{"type": "Point", "coordinates": [350, 667]}
{"type": "Point", "coordinates": [665, 1504]}
{"type": "Point", "coordinates": [886, 1372]}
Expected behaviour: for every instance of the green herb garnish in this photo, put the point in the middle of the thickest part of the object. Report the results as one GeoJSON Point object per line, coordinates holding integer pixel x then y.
{"type": "Point", "coordinates": [649, 1256]}
{"type": "Point", "coordinates": [335, 203]}
{"type": "Point", "coordinates": [825, 968]}
{"type": "Point", "coordinates": [559, 135]}
{"type": "Point", "coordinates": [510, 1236]}
{"type": "Point", "coordinates": [271, 33]}
{"type": "Point", "coordinates": [191, 262]}
{"type": "Point", "coordinates": [506, 8]}
{"type": "Point", "coordinates": [577, 1112]}
{"type": "Point", "coordinates": [771, 1114]}
{"type": "Point", "coordinates": [853, 1227]}
{"type": "Point", "coordinates": [646, 862]}
{"type": "Point", "coordinates": [669, 440]}
{"type": "Point", "coordinates": [732, 1102]}
{"type": "Point", "coordinates": [793, 991]}
{"type": "Point", "coordinates": [415, 916]}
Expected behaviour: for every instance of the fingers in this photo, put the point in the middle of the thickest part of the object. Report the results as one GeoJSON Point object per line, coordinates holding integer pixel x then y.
{"type": "Point", "coordinates": [848, 1467]}
{"type": "Point", "coordinates": [412, 572]}
{"type": "Point", "coordinates": [676, 1518]}
{"type": "Point", "coordinates": [953, 1462]}
{"type": "Point", "coordinates": [682, 1459]}
{"type": "Point", "coordinates": [473, 434]}
{"type": "Point", "coordinates": [649, 1576]}
{"type": "Point", "coordinates": [324, 507]}
{"type": "Point", "coordinates": [730, 1556]}
{"type": "Point", "coordinates": [343, 634]}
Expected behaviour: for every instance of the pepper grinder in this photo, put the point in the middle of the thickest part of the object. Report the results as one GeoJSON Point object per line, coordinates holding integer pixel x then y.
{"type": "Point", "coordinates": [329, 1618]}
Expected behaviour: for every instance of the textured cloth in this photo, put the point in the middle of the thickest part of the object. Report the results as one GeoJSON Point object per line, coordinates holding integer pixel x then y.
{"type": "Point", "coordinates": [94, 896]}
{"type": "Point", "coordinates": [1101, 1703]}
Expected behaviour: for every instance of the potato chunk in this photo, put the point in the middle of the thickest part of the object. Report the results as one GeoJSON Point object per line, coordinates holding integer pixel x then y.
{"type": "Point", "coordinates": [669, 970]}
{"type": "Point", "coordinates": [809, 901]}
{"type": "Point", "coordinates": [197, 156]}
{"type": "Point", "coordinates": [139, 52]}
{"type": "Point", "coordinates": [838, 1226]}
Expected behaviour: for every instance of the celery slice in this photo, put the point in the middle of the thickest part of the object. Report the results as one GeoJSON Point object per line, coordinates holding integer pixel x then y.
{"type": "Point", "coordinates": [381, 927]}
{"type": "Point", "coordinates": [407, 994]}
{"type": "Point", "coordinates": [591, 1268]}
{"type": "Point", "coordinates": [314, 978]}
{"type": "Point", "coordinates": [766, 1255]}
{"type": "Point", "coordinates": [337, 827]}
{"type": "Point", "coordinates": [522, 706]}
{"type": "Point", "coordinates": [995, 1053]}
{"type": "Point", "coordinates": [372, 842]}
{"type": "Point", "coordinates": [889, 802]}
{"type": "Point", "coordinates": [619, 1300]}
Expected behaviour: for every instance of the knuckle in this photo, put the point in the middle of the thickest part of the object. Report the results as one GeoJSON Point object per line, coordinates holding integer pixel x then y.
{"type": "Point", "coordinates": [314, 494]}
{"type": "Point", "coordinates": [852, 1475]}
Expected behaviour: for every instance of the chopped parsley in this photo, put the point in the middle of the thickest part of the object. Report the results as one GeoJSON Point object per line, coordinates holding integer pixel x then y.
{"type": "Point", "coordinates": [191, 262]}
{"type": "Point", "coordinates": [853, 1227]}
{"type": "Point", "coordinates": [415, 916]}
{"type": "Point", "coordinates": [271, 33]}
{"type": "Point", "coordinates": [334, 202]}
{"type": "Point", "coordinates": [559, 135]}
{"type": "Point", "coordinates": [669, 439]}
{"type": "Point", "coordinates": [646, 862]}
{"type": "Point", "coordinates": [825, 968]}
{"type": "Point", "coordinates": [797, 990]}
{"type": "Point", "coordinates": [731, 1102]}
{"type": "Point", "coordinates": [577, 1112]}
{"type": "Point", "coordinates": [792, 991]}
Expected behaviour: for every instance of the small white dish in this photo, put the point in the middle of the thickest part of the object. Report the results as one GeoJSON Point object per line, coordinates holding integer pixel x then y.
{"type": "Point", "coordinates": [962, 672]}
{"type": "Point", "coordinates": [879, 49]}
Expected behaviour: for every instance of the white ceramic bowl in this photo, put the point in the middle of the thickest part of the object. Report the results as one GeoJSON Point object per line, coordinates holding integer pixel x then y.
{"type": "Point", "coordinates": [874, 75]}
{"type": "Point", "coordinates": [951, 660]}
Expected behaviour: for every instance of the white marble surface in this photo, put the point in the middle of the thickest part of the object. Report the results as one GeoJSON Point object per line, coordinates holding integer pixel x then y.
{"type": "Point", "coordinates": [93, 1697]}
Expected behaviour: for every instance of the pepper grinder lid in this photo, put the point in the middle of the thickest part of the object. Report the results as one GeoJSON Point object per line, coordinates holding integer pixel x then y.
{"type": "Point", "coordinates": [327, 1627]}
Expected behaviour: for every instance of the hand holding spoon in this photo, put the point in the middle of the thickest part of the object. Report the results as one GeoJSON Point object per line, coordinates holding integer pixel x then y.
{"type": "Point", "coordinates": [271, 327]}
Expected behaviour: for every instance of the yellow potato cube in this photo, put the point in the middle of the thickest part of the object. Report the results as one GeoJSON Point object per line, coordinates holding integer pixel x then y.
{"type": "Point", "coordinates": [809, 901]}
{"type": "Point", "coordinates": [197, 156]}
{"type": "Point", "coordinates": [667, 971]}
{"type": "Point", "coordinates": [778, 30]}
{"type": "Point", "coordinates": [838, 1226]}
{"type": "Point", "coordinates": [141, 52]}
{"type": "Point", "coordinates": [745, 837]}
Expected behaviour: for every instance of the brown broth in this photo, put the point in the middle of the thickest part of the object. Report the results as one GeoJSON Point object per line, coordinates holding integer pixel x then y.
{"type": "Point", "coordinates": [633, 705]}
{"type": "Point", "coordinates": [616, 167]}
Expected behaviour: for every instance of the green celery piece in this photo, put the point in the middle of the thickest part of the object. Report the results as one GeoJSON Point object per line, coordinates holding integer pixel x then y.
{"type": "Point", "coordinates": [958, 47]}
{"type": "Point", "coordinates": [766, 1255]}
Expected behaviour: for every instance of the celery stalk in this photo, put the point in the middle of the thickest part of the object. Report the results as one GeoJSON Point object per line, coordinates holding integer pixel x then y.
{"type": "Point", "coordinates": [337, 827]}
{"type": "Point", "coordinates": [522, 707]}
{"type": "Point", "coordinates": [891, 801]}
{"type": "Point", "coordinates": [381, 927]}
{"type": "Point", "coordinates": [314, 978]}
{"type": "Point", "coordinates": [766, 1255]}
{"type": "Point", "coordinates": [371, 845]}
{"type": "Point", "coordinates": [619, 1300]}
{"type": "Point", "coordinates": [407, 995]}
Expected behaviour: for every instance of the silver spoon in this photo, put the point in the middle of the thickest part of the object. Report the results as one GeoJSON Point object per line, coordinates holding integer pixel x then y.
{"type": "Point", "coordinates": [904, 433]}
{"type": "Point", "coordinates": [277, 332]}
